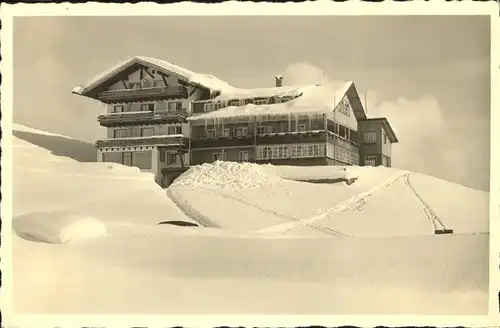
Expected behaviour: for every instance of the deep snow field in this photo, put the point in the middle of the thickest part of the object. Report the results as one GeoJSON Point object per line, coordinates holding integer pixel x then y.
{"type": "Point", "coordinates": [86, 239]}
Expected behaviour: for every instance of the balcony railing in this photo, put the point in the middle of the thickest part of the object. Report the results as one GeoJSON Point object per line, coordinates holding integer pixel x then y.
{"type": "Point", "coordinates": [153, 93]}
{"type": "Point", "coordinates": [343, 143]}
{"type": "Point", "coordinates": [164, 141]}
{"type": "Point", "coordinates": [146, 117]}
{"type": "Point", "coordinates": [287, 137]}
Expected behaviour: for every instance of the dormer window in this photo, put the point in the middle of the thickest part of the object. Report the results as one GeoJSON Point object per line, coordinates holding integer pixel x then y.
{"type": "Point", "coordinates": [218, 105]}
{"type": "Point", "coordinates": [208, 107]}
{"type": "Point", "coordinates": [235, 102]}
{"type": "Point", "coordinates": [260, 101]}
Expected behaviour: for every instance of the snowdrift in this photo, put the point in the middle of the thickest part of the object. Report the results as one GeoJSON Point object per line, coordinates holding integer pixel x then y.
{"type": "Point", "coordinates": [382, 202]}
{"type": "Point", "coordinates": [277, 245]}
{"type": "Point", "coordinates": [57, 227]}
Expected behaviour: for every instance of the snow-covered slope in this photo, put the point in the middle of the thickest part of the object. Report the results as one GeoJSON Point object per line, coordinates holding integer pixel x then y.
{"type": "Point", "coordinates": [83, 230]}
{"type": "Point", "coordinates": [382, 202]}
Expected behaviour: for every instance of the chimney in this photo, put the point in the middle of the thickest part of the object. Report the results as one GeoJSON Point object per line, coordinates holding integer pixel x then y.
{"type": "Point", "coordinates": [279, 80]}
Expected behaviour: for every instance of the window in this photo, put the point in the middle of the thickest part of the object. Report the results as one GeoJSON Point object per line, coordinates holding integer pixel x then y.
{"type": "Point", "coordinates": [208, 107]}
{"type": "Point", "coordinates": [244, 102]}
{"type": "Point", "coordinates": [217, 157]}
{"type": "Point", "coordinates": [226, 132]}
{"type": "Point", "coordinates": [234, 102]}
{"type": "Point", "coordinates": [174, 106]}
{"type": "Point", "coordinates": [260, 101]}
{"type": "Point", "coordinates": [343, 132]}
{"type": "Point", "coordinates": [120, 133]}
{"type": "Point", "coordinates": [371, 160]}
{"type": "Point", "coordinates": [269, 129]}
{"type": "Point", "coordinates": [272, 152]}
{"type": "Point", "coordinates": [147, 132]}
{"type": "Point", "coordinates": [241, 131]}
{"type": "Point", "coordinates": [171, 158]}
{"type": "Point", "coordinates": [243, 156]}
{"type": "Point", "coordinates": [301, 127]}
{"type": "Point", "coordinates": [370, 137]}
{"type": "Point", "coordinates": [127, 158]}
{"type": "Point", "coordinates": [385, 161]}
{"type": "Point", "coordinates": [344, 107]}
{"type": "Point", "coordinates": [261, 129]}
{"type": "Point", "coordinates": [385, 138]}
{"type": "Point", "coordinates": [162, 156]}
{"type": "Point", "coordinates": [171, 130]}
{"type": "Point", "coordinates": [343, 155]}
{"type": "Point", "coordinates": [307, 150]}
{"type": "Point", "coordinates": [148, 107]}
{"type": "Point", "coordinates": [210, 133]}
{"type": "Point", "coordinates": [218, 105]}
{"type": "Point", "coordinates": [118, 109]}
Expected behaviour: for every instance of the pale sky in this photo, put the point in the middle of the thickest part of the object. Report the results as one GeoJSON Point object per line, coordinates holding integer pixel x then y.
{"type": "Point", "coordinates": [429, 75]}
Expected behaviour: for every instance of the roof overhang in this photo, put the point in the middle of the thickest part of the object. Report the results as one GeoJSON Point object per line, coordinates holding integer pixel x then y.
{"type": "Point", "coordinates": [122, 70]}
{"type": "Point", "coordinates": [356, 104]}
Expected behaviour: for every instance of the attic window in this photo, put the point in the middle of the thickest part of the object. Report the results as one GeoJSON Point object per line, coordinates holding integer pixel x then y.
{"type": "Point", "coordinates": [344, 108]}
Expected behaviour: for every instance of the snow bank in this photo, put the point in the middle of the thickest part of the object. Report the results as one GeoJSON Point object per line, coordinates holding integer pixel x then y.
{"type": "Point", "coordinates": [227, 175]}
{"type": "Point", "coordinates": [24, 128]}
{"type": "Point", "coordinates": [110, 192]}
{"type": "Point", "coordinates": [57, 227]}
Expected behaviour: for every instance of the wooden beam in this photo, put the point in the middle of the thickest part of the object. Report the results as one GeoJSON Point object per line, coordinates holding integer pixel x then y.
{"type": "Point", "coordinates": [164, 77]}
{"type": "Point", "coordinates": [191, 93]}
{"type": "Point", "coordinates": [124, 84]}
{"type": "Point", "coordinates": [147, 72]}
{"type": "Point", "coordinates": [141, 74]}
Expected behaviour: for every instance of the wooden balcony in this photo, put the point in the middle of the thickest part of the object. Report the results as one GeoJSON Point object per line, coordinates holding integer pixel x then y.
{"type": "Point", "coordinates": [222, 142]}
{"type": "Point", "coordinates": [146, 117]}
{"type": "Point", "coordinates": [143, 94]}
{"type": "Point", "coordinates": [295, 137]}
{"type": "Point", "coordinates": [343, 143]}
{"type": "Point", "coordinates": [175, 142]}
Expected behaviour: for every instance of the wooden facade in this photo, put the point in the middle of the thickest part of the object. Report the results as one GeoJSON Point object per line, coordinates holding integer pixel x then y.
{"type": "Point", "coordinates": [275, 140]}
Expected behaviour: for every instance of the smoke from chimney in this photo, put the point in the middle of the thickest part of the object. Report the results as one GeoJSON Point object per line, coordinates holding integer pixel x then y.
{"type": "Point", "coordinates": [279, 80]}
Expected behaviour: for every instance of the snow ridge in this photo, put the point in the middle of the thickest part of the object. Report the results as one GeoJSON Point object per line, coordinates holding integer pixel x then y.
{"type": "Point", "coordinates": [228, 175]}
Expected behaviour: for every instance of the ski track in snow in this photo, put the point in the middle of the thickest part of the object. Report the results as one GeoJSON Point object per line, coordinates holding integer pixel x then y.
{"type": "Point", "coordinates": [355, 202]}
{"type": "Point", "coordinates": [429, 213]}
{"type": "Point", "coordinates": [189, 211]}
{"type": "Point", "coordinates": [327, 231]}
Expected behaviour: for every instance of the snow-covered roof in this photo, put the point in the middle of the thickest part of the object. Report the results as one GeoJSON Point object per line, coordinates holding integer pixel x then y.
{"type": "Point", "coordinates": [205, 80]}
{"type": "Point", "coordinates": [319, 98]}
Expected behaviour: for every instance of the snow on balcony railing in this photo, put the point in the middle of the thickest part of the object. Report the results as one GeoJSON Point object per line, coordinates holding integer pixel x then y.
{"type": "Point", "coordinates": [167, 140]}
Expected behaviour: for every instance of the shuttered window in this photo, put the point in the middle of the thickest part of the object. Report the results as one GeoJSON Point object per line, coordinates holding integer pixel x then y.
{"type": "Point", "coordinates": [112, 157]}
{"type": "Point", "coordinates": [142, 159]}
